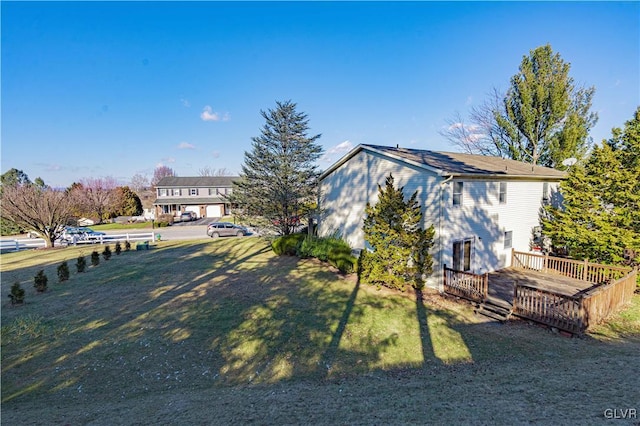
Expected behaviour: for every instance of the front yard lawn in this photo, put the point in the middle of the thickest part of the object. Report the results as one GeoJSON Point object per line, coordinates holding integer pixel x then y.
{"type": "Point", "coordinates": [225, 332]}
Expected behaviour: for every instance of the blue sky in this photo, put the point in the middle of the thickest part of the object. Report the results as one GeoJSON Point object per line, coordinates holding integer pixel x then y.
{"type": "Point", "coordinates": [116, 88]}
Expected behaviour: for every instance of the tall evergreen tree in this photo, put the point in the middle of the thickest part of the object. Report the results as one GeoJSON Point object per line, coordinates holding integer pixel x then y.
{"type": "Point", "coordinates": [600, 216]}
{"type": "Point", "coordinates": [543, 119]}
{"type": "Point", "coordinates": [400, 246]}
{"type": "Point", "coordinates": [279, 176]}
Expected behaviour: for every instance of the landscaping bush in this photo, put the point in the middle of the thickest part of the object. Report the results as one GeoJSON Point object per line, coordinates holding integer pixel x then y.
{"type": "Point", "coordinates": [332, 249]}
{"type": "Point", "coordinates": [127, 246]}
{"type": "Point", "coordinates": [95, 258]}
{"type": "Point", "coordinates": [118, 248]}
{"type": "Point", "coordinates": [287, 244]}
{"type": "Point", "coordinates": [17, 294]}
{"type": "Point", "coordinates": [81, 264]}
{"type": "Point", "coordinates": [164, 220]}
{"type": "Point", "coordinates": [40, 281]}
{"type": "Point", "coordinates": [63, 271]}
{"type": "Point", "coordinates": [106, 254]}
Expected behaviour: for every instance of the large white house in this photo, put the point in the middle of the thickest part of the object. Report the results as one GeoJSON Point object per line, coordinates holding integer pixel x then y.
{"type": "Point", "coordinates": [481, 207]}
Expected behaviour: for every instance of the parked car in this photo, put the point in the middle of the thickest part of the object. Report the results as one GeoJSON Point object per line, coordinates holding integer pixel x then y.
{"type": "Point", "coordinates": [225, 229]}
{"type": "Point", "coordinates": [73, 234]}
{"type": "Point", "coordinates": [188, 216]}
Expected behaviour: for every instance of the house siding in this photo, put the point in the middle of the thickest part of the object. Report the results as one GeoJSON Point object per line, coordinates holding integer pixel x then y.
{"type": "Point", "coordinates": [346, 191]}
{"type": "Point", "coordinates": [481, 217]}
{"type": "Point", "coordinates": [484, 220]}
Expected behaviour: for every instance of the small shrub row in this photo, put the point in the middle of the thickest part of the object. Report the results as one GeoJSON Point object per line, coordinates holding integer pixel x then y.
{"type": "Point", "coordinates": [164, 220]}
{"type": "Point", "coordinates": [332, 249]}
{"type": "Point", "coordinates": [41, 280]}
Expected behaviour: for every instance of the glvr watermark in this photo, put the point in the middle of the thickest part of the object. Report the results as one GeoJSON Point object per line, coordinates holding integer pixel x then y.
{"type": "Point", "coordinates": [621, 413]}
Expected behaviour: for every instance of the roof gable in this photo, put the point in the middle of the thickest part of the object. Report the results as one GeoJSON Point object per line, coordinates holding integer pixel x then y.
{"type": "Point", "coordinates": [455, 163]}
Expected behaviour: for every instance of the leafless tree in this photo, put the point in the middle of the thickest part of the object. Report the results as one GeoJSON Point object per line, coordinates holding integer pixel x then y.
{"type": "Point", "coordinates": [161, 172]}
{"type": "Point", "coordinates": [43, 210]}
{"type": "Point", "coordinates": [139, 183]}
{"type": "Point", "coordinates": [96, 194]}
{"type": "Point", "coordinates": [210, 171]}
{"type": "Point", "coordinates": [481, 134]}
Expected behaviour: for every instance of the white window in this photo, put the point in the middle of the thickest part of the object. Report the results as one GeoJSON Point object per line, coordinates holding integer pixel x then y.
{"type": "Point", "coordinates": [457, 193]}
{"type": "Point", "coordinates": [503, 193]}
{"type": "Point", "coordinates": [508, 239]}
{"type": "Point", "coordinates": [162, 192]}
{"type": "Point", "coordinates": [462, 254]}
{"type": "Point", "coordinates": [546, 198]}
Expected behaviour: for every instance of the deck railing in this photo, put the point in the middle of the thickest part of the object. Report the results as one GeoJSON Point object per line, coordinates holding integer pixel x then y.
{"type": "Point", "coordinates": [574, 313]}
{"type": "Point", "coordinates": [594, 273]}
{"type": "Point", "coordinates": [465, 284]}
{"type": "Point", "coordinates": [601, 301]}
{"type": "Point", "coordinates": [556, 310]}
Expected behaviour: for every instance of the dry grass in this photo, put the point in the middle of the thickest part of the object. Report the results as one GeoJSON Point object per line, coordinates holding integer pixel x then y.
{"type": "Point", "coordinates": [225, 332]}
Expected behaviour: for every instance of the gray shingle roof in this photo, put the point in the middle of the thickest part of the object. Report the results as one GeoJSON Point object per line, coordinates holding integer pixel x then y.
{"type": "Point", "coordinates": [197, 182]}
{"type": "Point", "coordinates": [456, 164]}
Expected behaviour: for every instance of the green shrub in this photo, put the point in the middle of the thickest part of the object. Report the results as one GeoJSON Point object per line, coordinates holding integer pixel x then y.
{"type": "Point", "coordinates": [127, 246]}
{"type": "Point", "coordinates": [95, 258]}
{"type": "Point", "coordinates": [118, 248]}
{"type": "Point", "coordinates": [17, 294]}
{"type": "Point", "coordinates": [63, 271]}
{"type": "Point", "coordinates": [287, 244]}
{"type": "Point", "coordinates": [40, 281]}
{"type": "Point", "coordinates": [81, 264]}
{"type": "Point", "coordinates": [106, 253]}
{"type": "Point", "coordinates": [332, 249]}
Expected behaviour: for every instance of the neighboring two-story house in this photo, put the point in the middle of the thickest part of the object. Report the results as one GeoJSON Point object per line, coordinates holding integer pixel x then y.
{"type": "Point", "coordinates": [481, 207]}
{"type": "Point", "coordinates": [206, 196]}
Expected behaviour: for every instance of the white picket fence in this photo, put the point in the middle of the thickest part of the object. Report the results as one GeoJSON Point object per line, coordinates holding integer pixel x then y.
{"type": "Point", "coordinates": [30, 243]}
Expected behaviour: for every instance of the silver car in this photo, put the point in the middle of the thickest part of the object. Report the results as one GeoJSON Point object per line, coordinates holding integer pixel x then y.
{"type": "Point", "coordinates": [225, 229]}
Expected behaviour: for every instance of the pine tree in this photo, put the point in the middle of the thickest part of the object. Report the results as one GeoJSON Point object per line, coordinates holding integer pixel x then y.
{"type": "Point", "coordinates": [63, 271]}
{"type": "Point", "coordinates": [600, 215]}
{"type": "Point", "coordinates": [400, 247]}
{"type": "Point", "coordinates": [279, 176]}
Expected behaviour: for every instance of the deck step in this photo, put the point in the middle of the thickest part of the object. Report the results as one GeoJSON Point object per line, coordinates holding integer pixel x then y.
{"type": "Point", "coordinates": [500, 312]}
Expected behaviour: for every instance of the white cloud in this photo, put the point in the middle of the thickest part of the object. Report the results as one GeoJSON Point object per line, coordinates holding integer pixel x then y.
{"type": "Point", "coordinates": [216, 154]}
{"type": "Point", "coordinates": [165, 161]}
{"type": "Point", "coordinates": [469, 100]}
{"type": "Point", "coordinates": [185, 103]}
{"type": "Point", "coordinates": [341, 148]}
{"type": "Point", "coordinates": [209, 115]}
{"type": "Point", "coordinates": [186, 145]}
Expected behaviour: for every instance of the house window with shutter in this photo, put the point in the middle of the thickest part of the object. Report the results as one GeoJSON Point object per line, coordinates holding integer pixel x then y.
{"type": "Point", "coordinates": [457, 193]}
{"type": "Point", "coordinates": [193, 191]}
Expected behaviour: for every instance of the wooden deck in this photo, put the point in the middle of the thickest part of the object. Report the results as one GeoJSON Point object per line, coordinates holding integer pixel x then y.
{"type": "Point", "coordinates": [501, 283]}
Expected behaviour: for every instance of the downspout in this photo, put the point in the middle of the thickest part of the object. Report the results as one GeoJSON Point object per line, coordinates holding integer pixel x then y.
{"type": "Point", "coordinates": [441, 249]}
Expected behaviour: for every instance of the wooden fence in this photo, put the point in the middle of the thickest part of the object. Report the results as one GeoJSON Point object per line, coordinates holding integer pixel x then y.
{"type": "Point", "coordinates": [465, 284]}
{"type": "Point", "coordinates": [581, 270]}
{"type": "Point", "coordinates": [576, 313]}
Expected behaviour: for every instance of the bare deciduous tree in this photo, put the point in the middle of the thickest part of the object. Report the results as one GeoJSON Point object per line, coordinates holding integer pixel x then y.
{"type": "Point", "coordinates": [95, 195]}
{"type": "Point", "coordinates": [160, 172]}
{"type": "Point", "coordinates": [43, 210]}
{"type": "Point", "coordinates": [139, 183]}
{"type": "Point", "coordinates": [210, 171]}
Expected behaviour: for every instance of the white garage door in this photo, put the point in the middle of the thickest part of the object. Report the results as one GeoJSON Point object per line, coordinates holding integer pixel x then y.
{"type": "Point", "coordinates": [195, 209]}
{"type": "Point", "coordinates": [214, 211]}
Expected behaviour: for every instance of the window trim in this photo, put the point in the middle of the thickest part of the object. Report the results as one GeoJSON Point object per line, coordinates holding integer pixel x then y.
{"type": "Point", "coordinates": [458, 195]}
{"type": "Point", "coordinates": [193, 192]}
{"type": "Point", "coordinates": [508, 236]}
{"type": "Point", "coordinates": [502, 192]}
{"type": "Point", "coordinates": [462, 258]}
